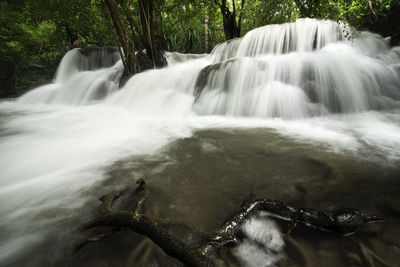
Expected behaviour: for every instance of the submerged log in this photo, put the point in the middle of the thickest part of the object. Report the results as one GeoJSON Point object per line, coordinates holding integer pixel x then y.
{"type": "Point", "coordinates": [140, 224]}
{"type": "Point", "coordinates": [343, 221]}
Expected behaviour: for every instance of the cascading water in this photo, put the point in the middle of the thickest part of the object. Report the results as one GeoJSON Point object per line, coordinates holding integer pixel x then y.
{"type": "Point", "coordinates": [304, 80]}
{"type": "Point", "coordinates": [83, 77]}
{"type": "Point", "coordinates": [293, 70]}
{"type": "Point", "coordinates": [299, 70]}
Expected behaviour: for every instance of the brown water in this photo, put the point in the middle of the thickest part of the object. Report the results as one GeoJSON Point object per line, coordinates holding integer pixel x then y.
{"type": "Point", "coordinates": [195, 184]}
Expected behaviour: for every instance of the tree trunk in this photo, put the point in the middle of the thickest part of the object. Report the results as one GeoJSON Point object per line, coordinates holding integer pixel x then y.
{"type": "Point", "coordinates": [129, 59]}
{"type": "Point", "coordinates": [133, 26]}
{"type": "Point", "coordinates": [146, 13]}
{"type": "Point", "coordinates": [207, 29]}
{"type": "Point", "coordinates": [69, 34]}
{"type": "Point", "coordinates": [160, 43]}
{"type": "Point", "coordinates": [153, 38]}
{"type": "Point", "coordinates": [239, 27]}
{"type": "Point", "coordinates": [231, 27]}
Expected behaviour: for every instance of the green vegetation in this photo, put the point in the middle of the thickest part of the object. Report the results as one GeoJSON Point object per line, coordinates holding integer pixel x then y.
{"type": "Point", "coordinates": [35, 34]}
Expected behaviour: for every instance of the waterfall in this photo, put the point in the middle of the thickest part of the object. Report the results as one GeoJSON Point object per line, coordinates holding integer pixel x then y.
{"type": "Point", "coordinates": [84, 76]}
{"type": "Point", "coordinates": [294, 70]}
{"type": "Point", "coordinates": [302, 36]}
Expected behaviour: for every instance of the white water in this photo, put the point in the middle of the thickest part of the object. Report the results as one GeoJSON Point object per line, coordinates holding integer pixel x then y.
{"type": "Point", "coordinates": [302, 80]}
{"type": "Point", "coordinates": [82, 78]}
{"type": "Point", "coordinates": [263, 244]}
{"type": "Point", "coordinates": [300, 70]}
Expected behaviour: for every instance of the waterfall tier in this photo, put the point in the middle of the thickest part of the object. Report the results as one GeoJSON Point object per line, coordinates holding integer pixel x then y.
{"type": "Point", "coordinates": [84, 76]}
{"type": "Point", "coordinates": [299, 69]}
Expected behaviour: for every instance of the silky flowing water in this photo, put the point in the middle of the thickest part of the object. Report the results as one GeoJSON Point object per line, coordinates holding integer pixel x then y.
{"type": "Point", "coordinates": [293, 112]}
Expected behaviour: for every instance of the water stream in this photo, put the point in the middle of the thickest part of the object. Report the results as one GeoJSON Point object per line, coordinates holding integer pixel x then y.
{"type": "Point", "coordinates": [286, 109]}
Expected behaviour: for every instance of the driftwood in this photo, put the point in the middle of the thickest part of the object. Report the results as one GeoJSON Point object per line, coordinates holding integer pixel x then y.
{"type": "Point", "coordinates": [140, 224]}
{"type": "Point", "coordinates": [342, 221]}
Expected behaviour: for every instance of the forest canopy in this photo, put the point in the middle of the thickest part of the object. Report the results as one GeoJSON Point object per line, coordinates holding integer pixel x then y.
{"type": "Point", "coordinates": [35, 34]}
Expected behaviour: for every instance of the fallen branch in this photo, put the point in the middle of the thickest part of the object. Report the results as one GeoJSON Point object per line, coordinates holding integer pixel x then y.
{"type": "Point", "coordinates": [342, 221]}
{"type": "Point", "coordinates": [140, 224]}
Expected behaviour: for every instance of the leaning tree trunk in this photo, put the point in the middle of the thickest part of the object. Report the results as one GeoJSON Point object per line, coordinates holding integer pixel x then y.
{"type": "Point", "coordinates": [128, 58]}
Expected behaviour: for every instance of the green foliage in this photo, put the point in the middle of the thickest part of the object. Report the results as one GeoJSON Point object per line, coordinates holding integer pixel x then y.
{"type": "Point", "coordinates": [356, 13]}
{"type": "Point", "coordinates": [260, 12]}
{"type": "Point", "coordinates": [24, 45]}
{"type": "Point", "coordinates": [183, 24]}
{"type": "Point", "coordinates": [359, 14]}
{"type": "Point", "coordinates": [33, 37]}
